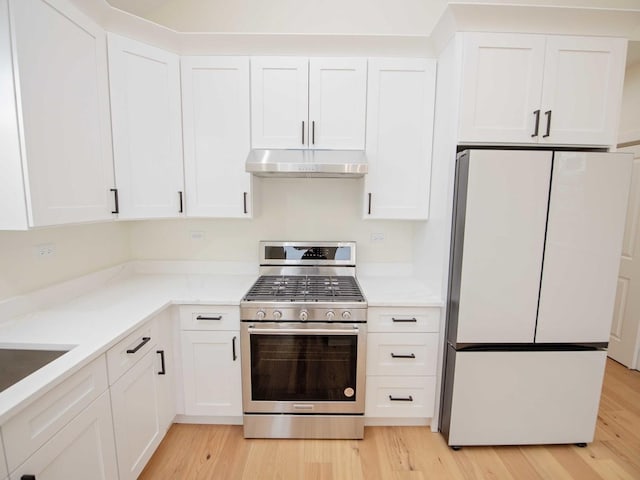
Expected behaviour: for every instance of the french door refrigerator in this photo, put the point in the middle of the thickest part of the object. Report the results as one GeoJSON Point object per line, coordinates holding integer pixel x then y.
{"type": "Point", "coordinates": [536, 243]}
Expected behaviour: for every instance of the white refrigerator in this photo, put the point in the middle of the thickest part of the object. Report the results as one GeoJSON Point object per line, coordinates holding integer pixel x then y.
{"type": "Point", "coordinates": [536, 242]}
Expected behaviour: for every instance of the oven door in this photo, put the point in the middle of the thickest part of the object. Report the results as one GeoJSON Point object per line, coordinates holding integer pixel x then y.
{"type": "Point", "coordinates": [303, 367]}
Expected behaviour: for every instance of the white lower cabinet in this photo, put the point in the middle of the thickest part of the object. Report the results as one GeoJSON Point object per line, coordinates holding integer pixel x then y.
{"type": "Point", "coordinates": [141, 399]}
{"type": "Point", "coordinates": [84, 448]}
{"type": "Point", "coordinates": [210, 341]}
{"type": "Point", "coordinates": [402, 356]}
{"type": "Point", "coordinates": [4, 472]}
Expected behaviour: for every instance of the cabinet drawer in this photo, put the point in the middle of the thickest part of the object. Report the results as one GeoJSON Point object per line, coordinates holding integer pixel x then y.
{"type": "Point", "coordinates": [402, 353]}
{"type": "Point", "coordinates": [403, 319]}
{"type": "Point", "coordinates": [224, 317]}
{"type": "Point", "coordinates": [400, 396]}
{"type": "Point", "coordinates": [130, 350]}
{"type": "Point", "coordinates": [37, 423]}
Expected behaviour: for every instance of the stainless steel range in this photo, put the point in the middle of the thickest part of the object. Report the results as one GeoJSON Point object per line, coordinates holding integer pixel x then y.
{"type": "Point", "coordinates": [303, 337]}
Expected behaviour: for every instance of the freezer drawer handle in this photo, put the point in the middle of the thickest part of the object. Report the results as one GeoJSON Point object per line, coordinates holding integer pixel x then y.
{"type": "Point", "coordinates": [411, 355]}
{"type": "Point", "coordinates": [401, 399]}
{"type": "Point", "coordinates": [537, 126]}
{"type": "Point", "coordinates": [144, 341]}
{"type": "Point", "coordinates": [202, 317]}
{"type": "Point", "coordinates": [404, 320]}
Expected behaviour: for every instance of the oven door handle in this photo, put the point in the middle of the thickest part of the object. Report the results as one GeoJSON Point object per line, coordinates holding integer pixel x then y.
{"type": "Point", "coordinates": [301, 331]}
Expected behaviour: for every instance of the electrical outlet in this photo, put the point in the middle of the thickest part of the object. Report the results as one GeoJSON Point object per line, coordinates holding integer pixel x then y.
{"type": "Point", "coordinates": [45, 250]}
{"type": "Point", "coordinates": [377, 237]}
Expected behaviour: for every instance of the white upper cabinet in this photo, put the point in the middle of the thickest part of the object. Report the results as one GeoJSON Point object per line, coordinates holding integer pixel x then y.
{"type": "Point", "coordinates": [147, 131]}
{"type": "Point", "coordinates": [400, 111]}
{"type": "Point", "coordinates": [301, 103]}
{"type": "Point", "coordinates": [217, 137]}
{"type": "Point", "coordinates": [56, 148]}
{"type": "Point", "coordinates": [548, 89]}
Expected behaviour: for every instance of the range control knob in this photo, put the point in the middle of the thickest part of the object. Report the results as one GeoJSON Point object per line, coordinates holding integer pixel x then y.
{"type": "Point", "coordinates": [346, 315]}
{"type": "Point", "coordinates": [260, 315]}
{"type": "Point", "coordinates": [330, 315]}
{"type": "Point", "coordinates": [304, 315]}
{"type": "Point", "coordinates": [277, 315]}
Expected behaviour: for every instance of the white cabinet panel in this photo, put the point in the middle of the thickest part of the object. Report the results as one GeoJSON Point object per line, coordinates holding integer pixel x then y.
{"type": "Point", "coordinates": [221, 317]}
{"type": "Point", "coordinates": [506, 208]}
{"type": "Point", "coordinates": [27, 431]}
{"type": "Point", "coordinates": [584, 241]}
{"type": "Point", "coordinates": [549, 89]}
{"type": "Point", "coordinates": [122, 356]}
{"type": "Point", "coordinates": [400, 110]}
{"type": "Point", "coordinates": [4, 472]}
{"type": "Point", "coordinates": [84, 449]}
{"type": "Point", "coordinates": [510, 398]}
{"type": "Point", "coordinates": [216, 121]}
{"type": "Point", "coordinates": [166, 367]}
{"type": "Point", "coordinates": [501, 87]}
{"type": "Point", "coordinates": [62, 98]}
{"type": "Point", "coordinates": [403, 319]}
{"type": "Point", "coordinates": [337, 102]}
{"type": "Point", "coordinates": [400, 396]}
{"type": "Point", "coordinates": [147, 133]}
{"type": "Point", "coordinates": [279, 102]}
{"type": "Point", "coordinates": [136, 416]}
{"type": "Point", "coordinates": [582, 87]}
{"type": "Point", "coordinates": [401, 354]}
{"type": "Point", "coordinates": [211, 368]}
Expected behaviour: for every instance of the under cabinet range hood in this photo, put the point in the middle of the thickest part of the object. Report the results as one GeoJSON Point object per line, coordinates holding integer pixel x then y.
{"type": "Point", "coordinates": [307, 163]}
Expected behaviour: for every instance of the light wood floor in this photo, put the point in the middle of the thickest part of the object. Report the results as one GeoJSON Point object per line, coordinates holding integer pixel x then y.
{"type": "Point", "coordinates": [411, 453]}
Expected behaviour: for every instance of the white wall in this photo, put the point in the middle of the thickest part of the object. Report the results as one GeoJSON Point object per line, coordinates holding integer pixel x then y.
{"type": "Point", "coordinates": [288, 209]}
{"type": "Point", "coordinates": [387, 17]}
{"type": "Point", "coordinates": [79, 250]}
{"type": "Point", "coordinates": [630, 111]}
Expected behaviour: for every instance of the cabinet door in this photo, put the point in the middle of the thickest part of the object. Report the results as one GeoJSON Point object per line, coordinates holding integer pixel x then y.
{"type": "Point", "coordinates": [501, 215]}
{"type": "Point", "coordinates": [582, 90]}
{"type": "Point", "coordinates": [501, 88]}
{"type": "Point", "coordinates": [165, 363]}
{"type": "Point", "coordinates": [587, 211]}
{"type": "Point", "coordinates": [84, 448]}
{"type": "Point", "coordinates": [400, 111]}
{"type": "Point", "coordinates": [63, 98]}
{"type": "Point", "coordinates": [211, 368]}
{"type": "Point", "coordinates": [337, 102]}
{"type": "Point", "coordinates": [4, 473]}
{"type": "Point", "coordinates": [215, 106]}
{"type": "Point", "coordinates": [147, 147]}
{"type": "Point", "coordinates": [279, 102]}
{"type": "Point", "coordinates": [136, 416]}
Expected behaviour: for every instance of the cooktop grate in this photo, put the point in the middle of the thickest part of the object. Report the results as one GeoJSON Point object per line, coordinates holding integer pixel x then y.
{"type": "Point", "coordinates": [302, 288]}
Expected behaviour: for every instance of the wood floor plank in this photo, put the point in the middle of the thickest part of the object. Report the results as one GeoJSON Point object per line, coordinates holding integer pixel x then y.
{"type": "Point", "coordinates": [211, 452]}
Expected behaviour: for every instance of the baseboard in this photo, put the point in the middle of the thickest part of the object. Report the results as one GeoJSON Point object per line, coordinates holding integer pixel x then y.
{"type": "Point", "coordinates": [206, 420]}
{"type": "Point", "coordinates": [396, 422]}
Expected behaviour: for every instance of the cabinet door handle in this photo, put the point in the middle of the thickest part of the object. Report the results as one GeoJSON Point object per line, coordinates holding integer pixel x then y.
{"type": "Point", "coordinates": [410, 355]}
{"type": "Point", "coordinates": [401, 399]}
{"type": "Point", "coordinates": [537, 125]}
{"type": "Point", "coordinates": [303, 132]}
{"type": "Point", "coordinates": [369, 208]}
{"type": "Point", "coordinates": [28, 477]}
{"type": "Point", "coordinates": [115, 198]}
{"type": "Point", "coordinates": [163, 370]}
{"type": "Point", "coordinates": [201, 317]}
{"type": "Point", "coordinates": [404, 320]}
{"type": "Point", "coordinates": [181, 205]}
{"type": "Point", "coordinates": [233, 348]}
{"type": "Point", "coordinates": [144, 341]}
{"type": "Point", "coordinates": [548, 114]}
{"type": "Point", "coordinates": [313, 132]}
{"type": "Point", "coordinates": [245, 202]}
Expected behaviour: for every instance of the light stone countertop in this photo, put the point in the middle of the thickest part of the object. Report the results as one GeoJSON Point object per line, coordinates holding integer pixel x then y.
{"type": "Point", "coordinates": [97, 319]}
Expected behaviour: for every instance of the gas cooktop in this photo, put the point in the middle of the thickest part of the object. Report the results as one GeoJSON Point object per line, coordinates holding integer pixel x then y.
{"type": "Point", "coordinates": [304, 288]}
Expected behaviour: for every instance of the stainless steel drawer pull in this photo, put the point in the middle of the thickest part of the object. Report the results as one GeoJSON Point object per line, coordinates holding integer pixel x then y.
{"type": "Point", "coordinates": [144, 341]}
{"type": "Point", "coordinates": [401, 399]}
{"type": "Point", "coordinates": [202, 317]}
{"type": "Point", "coordinates": [411, 355]}
{"type": "Point", "coordinates": [404, 320]}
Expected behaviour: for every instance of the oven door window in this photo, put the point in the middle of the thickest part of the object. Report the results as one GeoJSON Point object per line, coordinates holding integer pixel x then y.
{"type": "Point", "coordinates": [304, 367]}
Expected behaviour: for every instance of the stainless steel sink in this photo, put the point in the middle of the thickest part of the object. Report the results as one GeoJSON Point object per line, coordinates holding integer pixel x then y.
{"type": "Point", "coordinates": [16, 364]}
